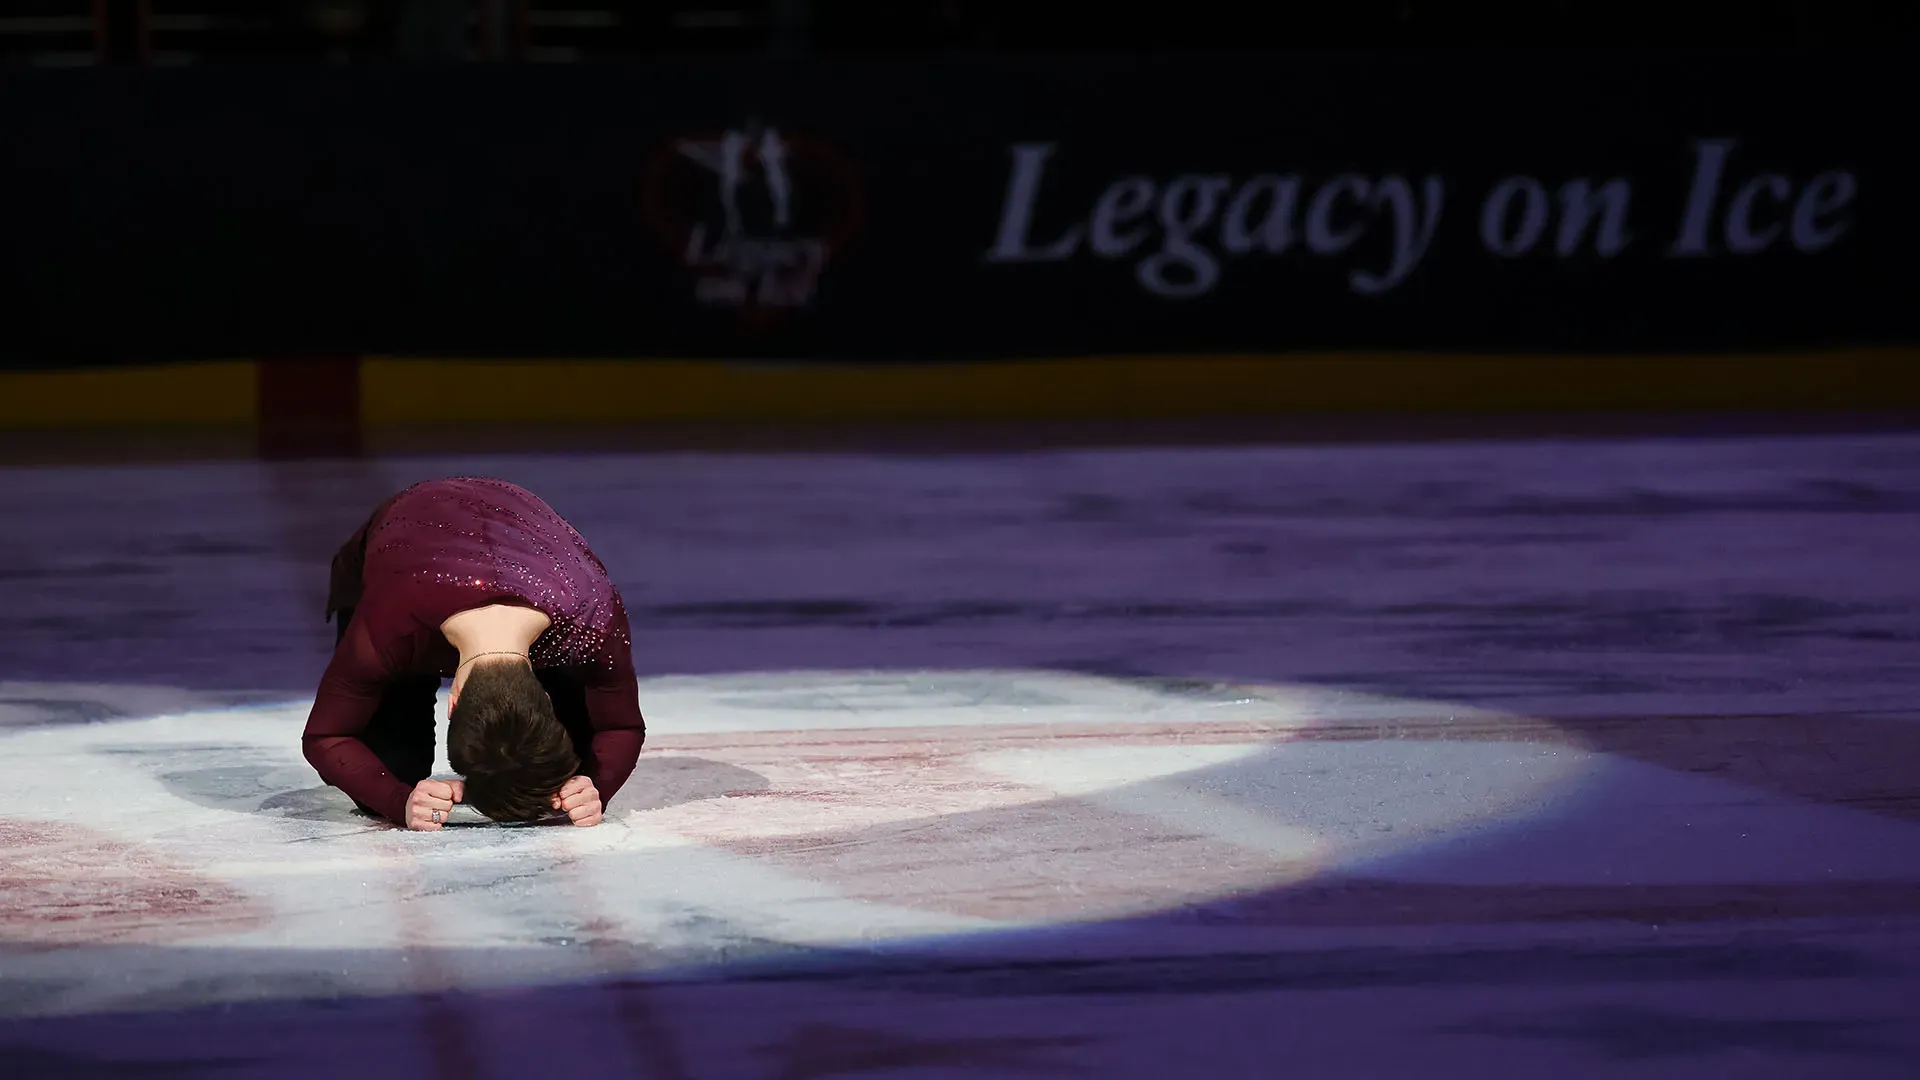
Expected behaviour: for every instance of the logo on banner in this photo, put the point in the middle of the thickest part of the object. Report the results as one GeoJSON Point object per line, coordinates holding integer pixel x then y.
{"type": "Point", "coordinates": [755, 214]}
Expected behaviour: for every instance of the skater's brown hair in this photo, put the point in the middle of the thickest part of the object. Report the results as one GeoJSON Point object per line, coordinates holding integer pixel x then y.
{"type": "Point", "coordinates": [504, 738]}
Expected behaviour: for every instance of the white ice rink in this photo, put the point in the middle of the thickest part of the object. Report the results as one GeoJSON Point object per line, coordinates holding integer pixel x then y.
{"type": "Point", "coordinates": [1583, 758]}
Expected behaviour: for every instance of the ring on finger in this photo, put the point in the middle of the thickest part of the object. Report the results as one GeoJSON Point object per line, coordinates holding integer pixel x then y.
{"type": "Point", "coordinates": [436, 817]}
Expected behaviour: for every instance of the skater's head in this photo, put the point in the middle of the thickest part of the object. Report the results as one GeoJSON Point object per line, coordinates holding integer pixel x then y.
{"type": "Point", "coordinates": [503, 737]}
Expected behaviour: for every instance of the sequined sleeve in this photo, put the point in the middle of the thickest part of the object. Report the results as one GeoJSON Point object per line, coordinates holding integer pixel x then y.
{"type": "Point", "coordinates": [349, 694]}
{"type": "Point", "coordinates": [613, 708]}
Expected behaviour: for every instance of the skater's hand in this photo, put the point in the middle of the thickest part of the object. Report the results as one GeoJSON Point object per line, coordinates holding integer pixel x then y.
{"type": "Point", "coordinates": [579, 799]}
{"type": "Point", "coordinates": [430, 796]}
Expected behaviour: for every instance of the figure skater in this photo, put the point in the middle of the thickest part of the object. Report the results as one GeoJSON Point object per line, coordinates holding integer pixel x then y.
{"type": "Point", "coordinates": [479, 581]}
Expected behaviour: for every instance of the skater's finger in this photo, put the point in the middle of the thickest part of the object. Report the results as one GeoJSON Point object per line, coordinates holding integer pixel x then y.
{"type": "Point", "coordinates": [439, 789]}
{"type": "Point", "coordinates": [575, 784]}
{"type": "Point", "coordinates": [459, 790]}
{"type": "Point", "coordinates": [586, 813]}
{"type": "Point", "coordinates": [578, 798]}
{"type": "Point", "coordinates": [428, 802]}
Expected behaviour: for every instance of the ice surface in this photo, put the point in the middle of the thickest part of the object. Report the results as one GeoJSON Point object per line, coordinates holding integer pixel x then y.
{"type": "Point", "coordinates": [1569, 758]}
{"type": "Point", "coordinates": [854, 819]}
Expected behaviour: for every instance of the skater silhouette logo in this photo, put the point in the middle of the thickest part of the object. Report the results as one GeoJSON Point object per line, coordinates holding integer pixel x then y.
{"type": "Point", "coordinates": [755, 213]}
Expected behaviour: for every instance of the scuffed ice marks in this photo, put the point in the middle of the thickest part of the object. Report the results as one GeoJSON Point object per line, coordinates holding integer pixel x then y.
{"type": "Point", "coordinates": [310, 804]}
{"type": "Point", "coordinates": [1280, 563]}
{"type": "Point", "coordinates": [22, 994]}
{"type": "Point", "coordinates": [34, 1063]}
{"type": "Point", "coordinates": [21, 712]}
{"type": "Point", "coordinates": [1613, 619]}
{"type": "Point", "coordinates": [25, 705]}
{"type": "Point", "coordinates": [852, 695]}
{"type": "Point", "coordinates": [1633, 1033]}
{"type": "Point", "coordinates": [1488, 502]}
{"type": "Point", "coordinates": [1353, 968]}
{"type": "Point", "coordinates": [237, 779]}
{"type": "Point", "coordinates": [661, 781]}
{"type": "Point", "coordinates": [192, 992]}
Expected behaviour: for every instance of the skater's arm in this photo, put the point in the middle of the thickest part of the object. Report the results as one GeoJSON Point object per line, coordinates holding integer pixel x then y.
{"type": "Point", "coordinates": [613, 708]}
{"type": "Point", "coordinates": [348, 696]}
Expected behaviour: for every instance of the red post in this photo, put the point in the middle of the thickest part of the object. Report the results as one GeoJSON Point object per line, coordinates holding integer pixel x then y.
{"type": "Point", "coordinates": [309, 407]}
{"type": "Point", "coordinates": [122, 31]}
{"type": "Point", "coordinates": [522, 30]}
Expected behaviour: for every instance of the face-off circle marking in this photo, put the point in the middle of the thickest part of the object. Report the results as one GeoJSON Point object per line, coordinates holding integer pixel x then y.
{"type": "Point", "coordinates": [770, 812]}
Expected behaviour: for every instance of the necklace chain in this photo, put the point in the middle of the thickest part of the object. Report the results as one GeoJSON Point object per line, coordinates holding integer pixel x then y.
{"type": "Point", "coordinates": [501, 652]}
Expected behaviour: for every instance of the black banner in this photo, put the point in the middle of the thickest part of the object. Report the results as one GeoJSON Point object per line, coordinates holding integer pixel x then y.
{"type": "Point", "coordinates": [914, 211]}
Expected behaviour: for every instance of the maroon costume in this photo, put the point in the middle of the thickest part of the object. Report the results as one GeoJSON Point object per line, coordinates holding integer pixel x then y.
{"type": "Point", "coordinates": [426, 554]}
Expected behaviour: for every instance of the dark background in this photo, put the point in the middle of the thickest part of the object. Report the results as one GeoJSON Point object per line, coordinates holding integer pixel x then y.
{"type": "Point", "coordinates": [224, 178]}
{"type": "Point", "coordinates": [498, 209]}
